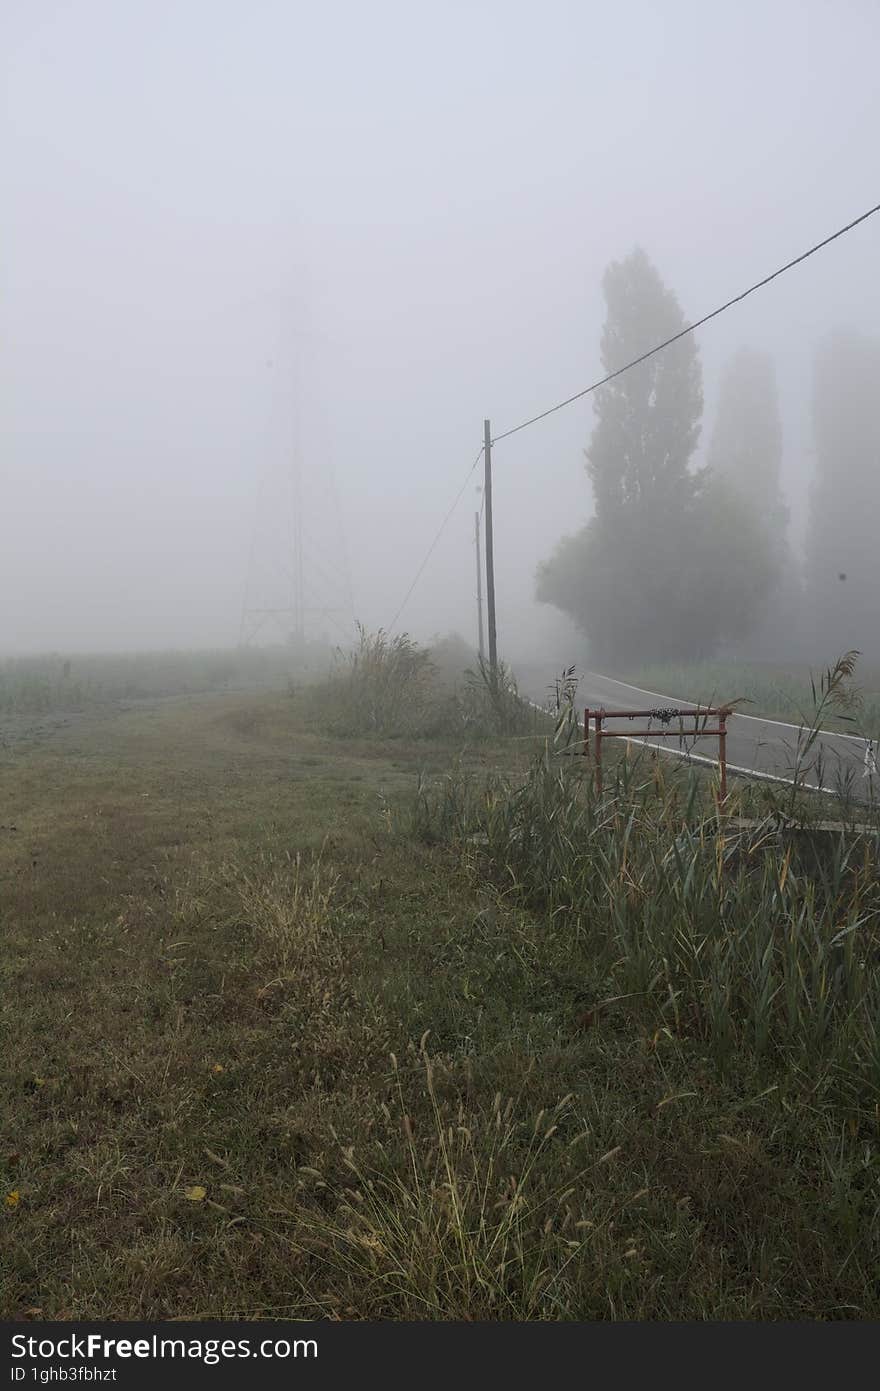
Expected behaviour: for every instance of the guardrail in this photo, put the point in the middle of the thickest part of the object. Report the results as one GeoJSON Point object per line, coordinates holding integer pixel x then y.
{"type": "Point", "coordinates": [665, 717]}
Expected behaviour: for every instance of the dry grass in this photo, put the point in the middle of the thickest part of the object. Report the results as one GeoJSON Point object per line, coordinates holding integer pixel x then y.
{"type": "Point", "coordinates": [267, 1052]}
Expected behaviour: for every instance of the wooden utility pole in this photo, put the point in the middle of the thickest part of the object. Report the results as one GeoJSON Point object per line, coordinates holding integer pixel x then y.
{"type": "Point", "coordinates": [479, 585]}
{"type": "Point", "coordinates": [490, 551]}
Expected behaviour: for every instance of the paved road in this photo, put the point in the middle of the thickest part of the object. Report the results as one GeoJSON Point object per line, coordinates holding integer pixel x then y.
{"type": "Point", "coordinates": [761, 747]}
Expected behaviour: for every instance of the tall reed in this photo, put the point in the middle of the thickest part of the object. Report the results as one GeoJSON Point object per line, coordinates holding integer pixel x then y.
{"type": "Point", "coordinates": [752, 938]}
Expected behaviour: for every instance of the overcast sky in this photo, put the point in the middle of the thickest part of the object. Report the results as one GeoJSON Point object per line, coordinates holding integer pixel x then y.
{"type": "Point", "coordinates": [417, 201]}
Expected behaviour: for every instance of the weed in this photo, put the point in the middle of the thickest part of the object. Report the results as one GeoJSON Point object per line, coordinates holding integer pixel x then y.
{"type": "Point", "coordinates": [392, 686]}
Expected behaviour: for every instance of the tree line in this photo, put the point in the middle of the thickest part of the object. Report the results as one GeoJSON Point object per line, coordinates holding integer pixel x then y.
{"type": "Point", "coordinates": [682, 562]}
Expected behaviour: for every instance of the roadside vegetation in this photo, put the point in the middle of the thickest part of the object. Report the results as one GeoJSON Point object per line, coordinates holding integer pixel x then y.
{"type": "Point", "coordinates": [397, 687]}
{"type": "Point", "coordinates": [301, 1019]}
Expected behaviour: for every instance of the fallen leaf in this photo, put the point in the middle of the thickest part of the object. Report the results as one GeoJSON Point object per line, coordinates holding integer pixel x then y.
{"type": "Point", "coordinates": [196, 1194]}
{"type": "Point", "coordinates": [12, 1199]}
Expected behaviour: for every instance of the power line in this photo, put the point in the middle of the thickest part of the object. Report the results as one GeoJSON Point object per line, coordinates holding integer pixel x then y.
{"type": "Point", "coordinates": [690, 328]}
{"type": "Point", "coordinates": [433, 544]}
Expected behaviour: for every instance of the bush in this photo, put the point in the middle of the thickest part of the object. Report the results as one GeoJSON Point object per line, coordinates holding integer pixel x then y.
{"type": "Point", "coordinates": [394, 687]}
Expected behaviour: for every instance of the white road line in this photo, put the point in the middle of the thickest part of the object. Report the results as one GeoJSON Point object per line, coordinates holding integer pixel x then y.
{"type": "Point", "coordinates": [731, 767]}
{"type": "Point", "coordinates": [697, 757]}
{"type": "Point", "coordinates": [760, 719]}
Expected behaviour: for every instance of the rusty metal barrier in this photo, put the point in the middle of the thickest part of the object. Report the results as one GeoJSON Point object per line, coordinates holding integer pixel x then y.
{"type": "Point", "coordinates": [665, 716]}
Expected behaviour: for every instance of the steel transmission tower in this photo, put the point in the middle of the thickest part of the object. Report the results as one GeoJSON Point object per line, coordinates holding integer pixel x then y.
{"type": "Point", "coordinates": [298, 584]}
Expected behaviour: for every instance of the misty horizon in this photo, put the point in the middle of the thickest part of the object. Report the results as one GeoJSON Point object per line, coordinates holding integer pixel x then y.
{"type": "Point", "coordinates": [230, 229]}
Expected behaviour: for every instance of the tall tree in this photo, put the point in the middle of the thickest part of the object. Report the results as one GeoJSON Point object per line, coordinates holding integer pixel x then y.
{"type": "Point", "coordinates": [670, 564]}
{"type": "Point", "coordinates": [744, 486]}
{"type": "Point", "coordinates": [746, 445]}
{"type": "Point", "coordinates": [843, 546]}
{"type": "Point", "coordinates": [648, 420]}
{"type": "Point", "coordinates": [621, 578]}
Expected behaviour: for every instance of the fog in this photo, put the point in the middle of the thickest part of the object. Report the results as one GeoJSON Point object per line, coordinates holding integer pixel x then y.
{"type": "Point", "coordinates": [237, 230]}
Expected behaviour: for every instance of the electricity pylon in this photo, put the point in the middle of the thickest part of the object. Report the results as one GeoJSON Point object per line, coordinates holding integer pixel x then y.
{"type": "Point", "coordinates": [298, 584]}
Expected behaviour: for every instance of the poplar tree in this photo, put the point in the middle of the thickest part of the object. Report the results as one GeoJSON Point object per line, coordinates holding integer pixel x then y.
{"type": "Point", "coordinates": [843, 544]}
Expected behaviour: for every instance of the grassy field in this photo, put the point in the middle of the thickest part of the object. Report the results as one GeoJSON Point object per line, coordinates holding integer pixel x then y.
{"type": "Point", "coordinates": [782, 693]}
{"type": "Point", "coordinates": [296, 1024]}
{"type": "Point", "coordinates": [70, 684]}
